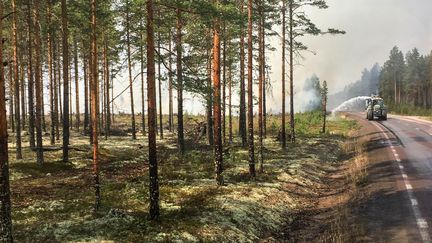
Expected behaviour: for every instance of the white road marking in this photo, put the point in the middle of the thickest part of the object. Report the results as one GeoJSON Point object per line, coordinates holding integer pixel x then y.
{"type": "Point", "coordinates": [394, 150]}
{"type": "Point", "coordinates": [421, 222]}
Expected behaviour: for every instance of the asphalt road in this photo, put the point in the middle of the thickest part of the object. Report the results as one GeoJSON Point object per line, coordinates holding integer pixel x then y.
{"type": "Point", "coordinates": [398, 205]}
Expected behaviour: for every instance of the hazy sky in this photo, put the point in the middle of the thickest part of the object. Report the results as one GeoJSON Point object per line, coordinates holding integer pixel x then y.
{"type": "Point", "coordinates": [373, 27]}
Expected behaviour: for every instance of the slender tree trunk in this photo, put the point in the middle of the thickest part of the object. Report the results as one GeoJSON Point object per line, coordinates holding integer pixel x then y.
{"type": "Point", "coordinates": [210, 103]}
{"type": "Point", "coordinates": [170, 85]}
{"type": "Point", "coordinates": [264, 88]}
{"type": "Point", "coordinates": [94, 105]}
{"type": "Point", "coordinates": [160, 89]}
{"type": "Point", "coordinates": [260, 90]}
{"type": "Point", "coordinates": [41, 87]}
{"type": "Point", "coordinates": [283, 130]}
{"type": "Point", "coordinates": [224, 85]}
{"type": "Point", "coordinates": [50, 74]}
{"type": "Point", "coordinates": [59, 83]}
{"type": "Point", "coordinates": [324, 105]}
{"type": "Point", "coordinates": [77, 107]}
{"type": "Point", "coordinates": [38, 78]}
{"type": "Point", "coordinates": [11, 97]}
{"type": "Point", "coordinates": [142, 84]}
{"type": "Point", "coordinates": [112, 105]}
{"type": "Point", "coordinates": [22, 95]}
{"type": "Point", "coordinates": [179, 49]}
{"type": "Point", "coordinates": [291, 50]}
{"type": "Point", "coordinates": [151, 93]}
{"type": "Point", "coordinates": [250, 94]}
{"type": "Point", "coordinates": [216, 67]}
{"type": "Point", "coordinates": [86, 95]}
{"type": "Point", "coordinates": [107, 92]}
{"type": "Point", "coordinates": [56, 80]}
{"type": "Point", "coordinates": [130, 71]}
{"type": "Point", "coordinates": [65, 34]}
{"type": "Point", "coordinates": [5, 202]}
{"type": "Point", "coordinates": [70, 98]}
{"type": "Point", "coordinates": [16, 83]}
{"type": "Point", "coordinates": [242, 115]}
{"type": "Point", "coordinates": [230, 129]}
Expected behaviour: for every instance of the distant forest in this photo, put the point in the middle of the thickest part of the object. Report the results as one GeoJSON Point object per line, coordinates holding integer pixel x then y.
{"type": "Point", "coordinates": [403, 79]}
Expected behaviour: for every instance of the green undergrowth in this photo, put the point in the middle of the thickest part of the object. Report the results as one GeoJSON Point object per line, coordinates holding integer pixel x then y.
{"type": "Point", "coordinates": [54, 202]}
{"type": "Point", "coordinates": [410, 110]}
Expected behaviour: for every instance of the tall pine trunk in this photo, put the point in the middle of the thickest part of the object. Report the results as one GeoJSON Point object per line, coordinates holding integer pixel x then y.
{"type": "Point", "coordinates": [283, 130]}
{"type": "Point", "coordinates": [170, 85]}
{"type": "Point", "coordinates": [210, 102]}
{"type": "Point", "coordinates": [160, 88]}
{"type": "Point", "coordinates": [223, 103]}
{"type": "Point", "coordinates": [77, 106]}
{"type": "Point", "coordinates": [56, 81]}
{"type": "Point", "coordinates": [291, 51]}
{"type": "Point", "coordinates": [5, 202]}
{"type": "Point", "coordinates": [242, 115]}
{"type": "Point", "coordinates": [30, 87]}
{"type": "Point", "coordinates": [179, 50]}
{"type": "Point", "coordinates": [260, 89]}
{"type": "Point", "coordinates": [143, 126]}
{"type": "Point", "coordinates": [50, 74]}
{"type": "Point", "coordinates": [264, 95]}
{"type": "Point", "coordinates": [151, 93]}
{"type": "Point", "coordinates": [16, 83]}
{"type": "Point", "coordinates": [216, 68]}
{"type": "Point", "coordinates": [38, 81]}
{"type": "Point", "coordinates": [250, 95]}
{"type": "Point", "coordinates": [65, 34]}
{"type": "Point", "coordinates": [86, 96]}
{"type": "Point", "coordinates": [230, 125]}
{"type": "Point", "coordinates": [107, 92]}
{"type": "Point", "coordinates": [22, 95]}
{"type": "Point", "coordinates": [94, 104]}
{"type": "Point", "coordinates": [11, 96]}
{"type": "Point", "coordinates": [130, 70]}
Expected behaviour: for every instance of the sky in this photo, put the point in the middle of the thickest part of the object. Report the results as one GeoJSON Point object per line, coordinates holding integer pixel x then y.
{"type": "Point", "coordinates": [373, 27]}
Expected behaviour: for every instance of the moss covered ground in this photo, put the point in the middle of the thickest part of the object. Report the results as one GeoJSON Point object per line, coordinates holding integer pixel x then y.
{"type": "Point", "coordinates": [53, 202]}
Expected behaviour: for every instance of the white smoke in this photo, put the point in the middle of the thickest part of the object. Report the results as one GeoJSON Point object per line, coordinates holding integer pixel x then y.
{"type": "Point", "coordinates": [354, 104]}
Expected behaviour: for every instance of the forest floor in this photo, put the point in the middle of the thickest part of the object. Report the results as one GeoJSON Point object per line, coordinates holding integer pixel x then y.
{"type": "Point", "coordinates": [301, 187]}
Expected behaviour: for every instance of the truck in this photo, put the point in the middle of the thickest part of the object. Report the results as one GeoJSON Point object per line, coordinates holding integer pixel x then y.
{"type": "Point", "coordinates": [375, 108]}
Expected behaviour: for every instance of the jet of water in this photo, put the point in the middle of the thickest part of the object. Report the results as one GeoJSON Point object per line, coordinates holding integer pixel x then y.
{"type": "Point", "coordinates": [354, 104]}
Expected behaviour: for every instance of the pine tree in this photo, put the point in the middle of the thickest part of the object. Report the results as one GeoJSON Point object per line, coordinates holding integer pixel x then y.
{"type": "Point", "coordinates": [216, 68]}
{"type": "Point", "coordinates": [128, 43]}
{"type": "Point", "coordinates": [94, 103]}
{"type": "Point", "coordinates": [38, 81]}
{"type": "Point", "coordinates": [65, 46]}
{"type": "Point", "coordinates": [5, 202]}
{"type": "Point", "coordinates": [151, 92]}
{"type": "Point", "coordinates": [250, 95]}
{"type": "Point", "coordinates": [16, 83]}
{"type": "Point", "coordinates": [179, 51]}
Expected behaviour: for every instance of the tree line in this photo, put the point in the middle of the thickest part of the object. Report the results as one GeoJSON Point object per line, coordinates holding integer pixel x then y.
{"type": "Point", "coordinates": [213, 49]}
{"type": "Point", "coordinates": [407, 79]}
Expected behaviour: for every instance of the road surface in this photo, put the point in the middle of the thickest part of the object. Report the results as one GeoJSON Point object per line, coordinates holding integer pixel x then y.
{"type": "Point", "coordinates": [398, 205]}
